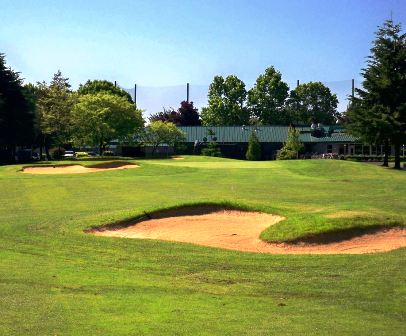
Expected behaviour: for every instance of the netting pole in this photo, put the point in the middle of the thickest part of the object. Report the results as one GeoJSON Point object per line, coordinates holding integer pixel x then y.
{"type": "Point", "coordinates": [352, 88]}
{"type": "Point", "coordinates": [135, 95]}
{"type": "Point", "coordinates": [187, 92]}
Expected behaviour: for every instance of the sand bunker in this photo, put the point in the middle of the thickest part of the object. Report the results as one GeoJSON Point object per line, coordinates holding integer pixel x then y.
{"type": "Point", "coordinates": [240, 230]}
{"type": "Point", "coordinates": [77, 169]}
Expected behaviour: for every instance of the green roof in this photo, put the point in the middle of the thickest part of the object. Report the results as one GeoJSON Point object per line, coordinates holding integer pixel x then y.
{"type": "Point", "coordinates": [276, 134]}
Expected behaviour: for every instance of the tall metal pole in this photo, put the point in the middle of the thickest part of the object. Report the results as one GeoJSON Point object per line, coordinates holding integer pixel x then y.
{"type": "Point", "coordinates": [187, 92]}
{"type": "Point", "coordinates": [297, 83]}
{"type": "Point", "coordinates": [135, 95]}
{"type": "Point", "coordinates": [352, 88]}
{"type": "Point", "coordinates": [115, 83]}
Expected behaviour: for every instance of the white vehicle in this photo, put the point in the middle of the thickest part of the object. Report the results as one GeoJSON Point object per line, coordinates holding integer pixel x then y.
{"type": "Point", "coordinates": [69, 154]}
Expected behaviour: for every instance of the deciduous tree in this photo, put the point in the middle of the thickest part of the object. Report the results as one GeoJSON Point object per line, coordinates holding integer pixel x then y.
{"type": "Point", "coordinates": [312, 102]}
{"type": "Point", "coordinates": [102, 117]}
{"type": "Point", "coordinates": [226, 105]}
{"type": "Point", "coordinates": [266, 99]}
{"type": "Point", "coordinates": [96, 86]}
{"type": "Point", "coordinates": [162, 132]}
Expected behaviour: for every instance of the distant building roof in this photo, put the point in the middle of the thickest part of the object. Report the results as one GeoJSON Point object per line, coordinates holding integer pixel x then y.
{"type": "Point", "coordinates": [276, 134]}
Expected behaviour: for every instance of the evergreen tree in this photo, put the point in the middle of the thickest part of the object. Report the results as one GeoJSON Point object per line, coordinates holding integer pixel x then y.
{"type": "Point", "coordinates": [378, 114]}
{"type": "Point", "coordinates": [254, 148]}
{"type": "Point", "coordinates": [16, 114]}
{"type": "Point", "coordinates": [54, 110]}
{"type": "Point", "coordinates": [292, 146]}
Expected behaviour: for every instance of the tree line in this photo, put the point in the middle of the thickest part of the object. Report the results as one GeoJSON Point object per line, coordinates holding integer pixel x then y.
{"type": "Point", "coordinates": [52, 114]}
{"type": "Point", "coordinates": [268, 102]}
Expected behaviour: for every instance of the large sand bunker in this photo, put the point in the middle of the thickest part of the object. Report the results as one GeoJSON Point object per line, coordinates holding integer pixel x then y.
{"type": "Point", "coordinates": [77, 169]}
{"type": "Point", "coordinates": [240, 230]}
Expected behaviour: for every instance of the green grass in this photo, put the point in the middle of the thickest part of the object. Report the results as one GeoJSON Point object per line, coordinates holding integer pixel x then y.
{"type": "Point", "coordinates": [56, 280]}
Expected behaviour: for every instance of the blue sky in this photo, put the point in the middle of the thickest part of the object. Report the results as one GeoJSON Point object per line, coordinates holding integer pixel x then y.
{"type": "Point", "coordinates": [161, 43]}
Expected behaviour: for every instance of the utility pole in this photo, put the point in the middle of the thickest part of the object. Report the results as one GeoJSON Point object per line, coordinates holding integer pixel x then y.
{"type": "Point", "coordinates": [297, 83]}
{"type": "Point", "coordinates": [187, 92]}
{"type": "Point", "coordinates": [115, 83]}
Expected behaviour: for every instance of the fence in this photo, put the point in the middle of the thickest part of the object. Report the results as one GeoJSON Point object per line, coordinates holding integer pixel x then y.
{"type": "Point", "coordinates": [153, 99]}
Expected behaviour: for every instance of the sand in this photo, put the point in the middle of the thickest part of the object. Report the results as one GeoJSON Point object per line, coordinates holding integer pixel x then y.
{"type": "Point", "coordinates": [240, 230]}
{"type": "Point", "coordinates": [77, 169]}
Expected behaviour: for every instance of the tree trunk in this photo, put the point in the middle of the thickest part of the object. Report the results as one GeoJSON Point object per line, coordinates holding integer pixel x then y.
{"type": "Point", "coordinates": [397, 156]}
{"type": "Point", "coordinates": [46, 143]}
{"type": "Point", "coordinates": [386, 154]}
{"type": "Point", "coordinates": [41, 145]}
{"type": "Point", "coordinates": [101, 148]}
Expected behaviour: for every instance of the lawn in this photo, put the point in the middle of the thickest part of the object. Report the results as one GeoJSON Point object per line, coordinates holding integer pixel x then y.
{"type": "Point", "coordinates": [56, 280]}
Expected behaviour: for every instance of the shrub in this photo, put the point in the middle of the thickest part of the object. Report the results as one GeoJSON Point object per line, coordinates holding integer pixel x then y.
{"type": "Point", "coordinates": [291, 147]}
{"type": "Point", "coordinates": [212, 149]}
{"type": "Point", "coordinates": [286, 154]}
{"type": "Point", "coordinates": [254, 148]}
{"type": "Point", "coordinates": [57, 153]}
{"type": "Point", "coordinates": [108, 153]}
{"type": "Point", "coordinates": [81, 154]}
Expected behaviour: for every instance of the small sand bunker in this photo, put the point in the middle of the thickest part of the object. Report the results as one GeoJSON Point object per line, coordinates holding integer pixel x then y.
{"type": "Point", "coordinates": [240, 230]}
{"type": "Point", "coordinates": [77, 169]}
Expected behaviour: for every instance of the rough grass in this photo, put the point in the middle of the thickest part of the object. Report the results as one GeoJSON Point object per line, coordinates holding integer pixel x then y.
{"type": "Point", "coordinates": [56, 280]}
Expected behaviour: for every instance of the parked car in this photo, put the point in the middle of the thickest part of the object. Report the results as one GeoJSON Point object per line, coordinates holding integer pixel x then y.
{"type": "Point", "coordinates": [69, 154]}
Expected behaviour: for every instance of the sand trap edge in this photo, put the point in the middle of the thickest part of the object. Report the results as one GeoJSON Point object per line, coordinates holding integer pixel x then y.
{"type": "Point", "coordinates": [328, 243]}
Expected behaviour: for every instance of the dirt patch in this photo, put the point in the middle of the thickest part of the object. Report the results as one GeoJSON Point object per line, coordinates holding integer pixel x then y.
{"type": "Point", "coordinates": [77, 169]}
{"type": "Point", "coordinates": [177, 158]}
{"type": "Point", "coordinates": [240, 230]}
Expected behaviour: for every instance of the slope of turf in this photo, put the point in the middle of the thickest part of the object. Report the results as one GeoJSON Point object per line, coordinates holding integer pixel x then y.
{"type": "Point", "coordinates": [56, 280]}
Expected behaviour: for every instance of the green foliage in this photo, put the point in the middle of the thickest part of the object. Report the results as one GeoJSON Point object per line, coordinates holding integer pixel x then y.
{"type": "Point", "coordinates": [99, 118]}
{"type": "Point", "coordinates": [254, 148]}
{"type": "Point", "coordinates": [267, 98]}
{"type": "Point", "coordinates": [16, 110]}
{"type": "Point", "coordinates": [226, 103]}
{"type": "Point", "coordinates": [292, 146]}
{"type": "Point", "coordinates": [312, 102]}
{"type": "Point", "coordinates": [212, 149]}
{"type": "Point", "coordinates": [80, 155]}
{"type": "Point", "coordinates": [98, 86]}
{"type": "Point", "coordinates": [378, 114]}
{"type": "Point", "coordinates": [54, 107]}
{"type": "Point", "coordinates": [162, 132]}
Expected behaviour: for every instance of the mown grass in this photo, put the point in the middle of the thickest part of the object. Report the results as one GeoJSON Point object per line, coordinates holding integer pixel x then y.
{"type": "Point", "coordinates": [56, 280]}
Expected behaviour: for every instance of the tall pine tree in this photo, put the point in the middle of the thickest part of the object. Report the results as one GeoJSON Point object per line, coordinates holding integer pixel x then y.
{"type": "Point", "coordinates": [16, 114]}
{"type": "Point", "coordinates": [378, 114]}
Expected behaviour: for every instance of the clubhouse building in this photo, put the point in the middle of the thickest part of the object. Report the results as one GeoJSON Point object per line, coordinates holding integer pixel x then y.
{"type": "Point", "coordinates": [317, 140]}
{"type": "Point", "coordinates": [233, 141]}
